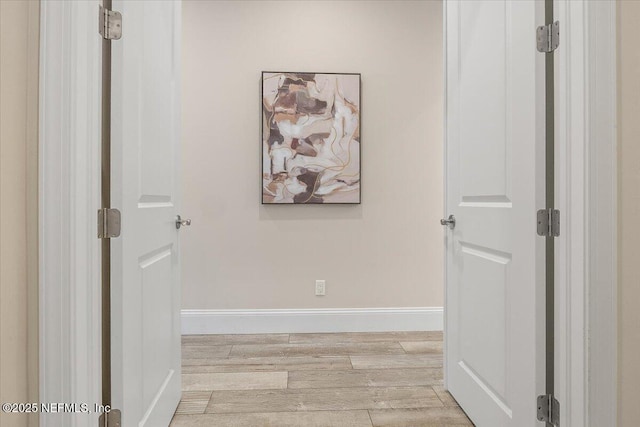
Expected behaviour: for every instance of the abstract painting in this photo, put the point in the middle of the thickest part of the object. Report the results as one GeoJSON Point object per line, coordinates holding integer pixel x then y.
{"type": "Point", "coordinates": [310, 138]}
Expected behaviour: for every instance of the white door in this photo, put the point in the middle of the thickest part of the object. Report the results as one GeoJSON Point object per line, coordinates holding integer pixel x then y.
{"type": "Point", "coordinates": [145, 270]}
{"type": "Point", "coordinates": [494, 267]}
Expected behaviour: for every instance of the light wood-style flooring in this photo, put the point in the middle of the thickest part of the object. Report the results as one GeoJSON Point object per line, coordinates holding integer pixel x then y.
{"type": "Point", "coordinates": [315, 380]}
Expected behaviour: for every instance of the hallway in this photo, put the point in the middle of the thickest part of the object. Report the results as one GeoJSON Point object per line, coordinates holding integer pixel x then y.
{"type": "Point", "coordinates": [328, 380]}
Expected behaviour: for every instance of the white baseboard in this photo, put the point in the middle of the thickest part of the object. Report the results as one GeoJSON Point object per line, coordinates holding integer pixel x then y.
{"type": "Point", "coordinates": [312, 320]}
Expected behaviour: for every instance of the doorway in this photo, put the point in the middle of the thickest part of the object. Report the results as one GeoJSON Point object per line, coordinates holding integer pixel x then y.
{"type": "Point", "coordinates": [89, 210]}
{"type": "Point", "coordinates": [402, 111]}
{"type": "Point", "coordinates": [251, 268]}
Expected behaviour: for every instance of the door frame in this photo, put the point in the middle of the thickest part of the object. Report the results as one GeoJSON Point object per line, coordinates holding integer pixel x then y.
{"type": "Point", "coordinates": [586, 170]}
{"type": "Point", "coordinates": [69, 198]}
{"type": "Point", "coordinates": [586, 195]}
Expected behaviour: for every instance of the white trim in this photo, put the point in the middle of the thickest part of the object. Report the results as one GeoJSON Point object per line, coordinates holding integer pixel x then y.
{"type": "Point", "coordinates": [445, 194]}
{"type": "Point", "coordinates": [311, 320]}
{"type": "Point", "coordinates": [602, 205]}
{"type": "Point", "coordinates": [69, 194]}
{"type": "Point", "coordinates": [586, 319]}
{"type": "Point", "coordinates": [570, 386]}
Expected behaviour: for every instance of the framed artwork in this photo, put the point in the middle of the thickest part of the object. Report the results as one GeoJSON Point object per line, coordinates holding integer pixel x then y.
{"type": "Point", "coordinates": [311, 141]}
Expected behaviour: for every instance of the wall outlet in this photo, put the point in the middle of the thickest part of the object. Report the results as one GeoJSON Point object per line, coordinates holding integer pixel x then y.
{"type": "Point", "coordinates": [320, 287]}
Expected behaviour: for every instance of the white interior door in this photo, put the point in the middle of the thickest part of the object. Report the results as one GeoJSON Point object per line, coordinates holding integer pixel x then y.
{"type": "Point", "coordinates": [495, 177]}
{"type": "Point", "coordinates": [145, 279]}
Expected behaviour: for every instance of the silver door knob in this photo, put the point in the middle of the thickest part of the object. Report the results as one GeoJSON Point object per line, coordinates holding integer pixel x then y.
{"type": "Point", "coordinates": [180, 222]}
{"type": "Point", "coordinates": [450, 222]}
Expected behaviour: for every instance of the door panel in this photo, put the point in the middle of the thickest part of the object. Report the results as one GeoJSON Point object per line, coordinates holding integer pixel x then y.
{"type": "Point", "coordinates": [494, 183]}
{"type": "Point", "coordinates": [482, 145]}
{"type": "Point", "coordinates": [145, 279]}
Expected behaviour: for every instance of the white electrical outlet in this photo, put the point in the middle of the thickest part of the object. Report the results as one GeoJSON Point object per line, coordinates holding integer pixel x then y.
{"type": "Point", "coordinates": [320, 287]}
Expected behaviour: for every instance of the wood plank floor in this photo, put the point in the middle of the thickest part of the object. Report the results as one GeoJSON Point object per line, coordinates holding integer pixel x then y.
{"type": "Point", "coordinates": [390, 379]}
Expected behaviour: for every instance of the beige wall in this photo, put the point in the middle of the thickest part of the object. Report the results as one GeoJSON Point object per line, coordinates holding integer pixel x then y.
{"type": "Point", "coordinates": [629, 212]}
{"type": "Point", "coordinates": [18, 205]}
{"type": "Point", "coordinates": [386, 252]}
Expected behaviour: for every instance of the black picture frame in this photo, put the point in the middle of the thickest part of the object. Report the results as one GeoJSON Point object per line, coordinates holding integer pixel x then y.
{"type": "Point", "coordinates": [262, 122]}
